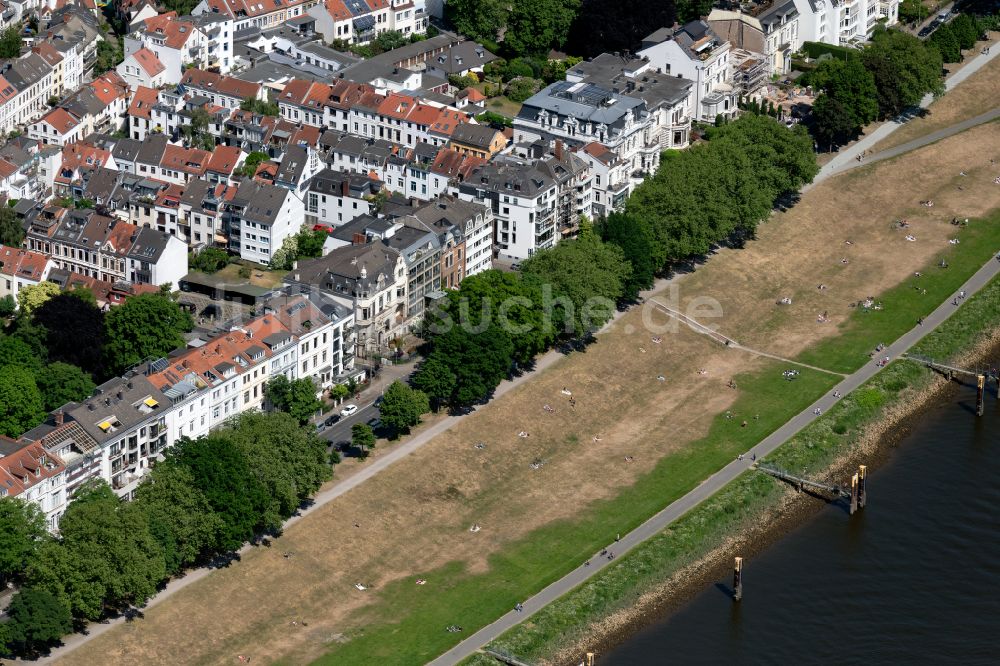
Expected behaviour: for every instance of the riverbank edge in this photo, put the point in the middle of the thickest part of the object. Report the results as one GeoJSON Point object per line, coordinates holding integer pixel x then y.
{"type": "Point", "coordinates": [772, 511]}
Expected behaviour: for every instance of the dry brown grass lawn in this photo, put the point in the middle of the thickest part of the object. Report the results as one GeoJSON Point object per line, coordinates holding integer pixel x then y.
{"type": "Point", "coordinates": [415, 515]}
{"type": "Point", "coordinates": [976, 95]}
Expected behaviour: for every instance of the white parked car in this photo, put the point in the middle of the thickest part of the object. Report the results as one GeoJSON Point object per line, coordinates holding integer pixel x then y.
{"type": "Point", "coordinates": [348, 410]}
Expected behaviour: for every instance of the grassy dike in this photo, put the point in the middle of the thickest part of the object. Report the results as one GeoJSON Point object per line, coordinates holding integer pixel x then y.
{"type": "Point", "coordinates": [735, 507]}
{"type": "Point", "coordinates": [405, 626]}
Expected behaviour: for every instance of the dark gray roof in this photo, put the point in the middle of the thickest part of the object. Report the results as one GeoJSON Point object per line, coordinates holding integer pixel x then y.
{"type": "Point", "coordinates": [293, 164]}
{"type": "Point", "coordinates": [583, 101]}
{"type": "Point", "coordinates": [126, 149]}
{"type": "Point", "coordinates": [152, 149]}
{"type": "Point", "coordinates": [460, 57]}
{"type": "Point", "coordinates": [261, 202]}
{"type": "Point", "coordinates": [470, 134]}
{"type": "Point", "coordinates": [507, 176]}
{"type": "Point", "coordinates": [340, 272]}
{"type": "Point", "coordinates": [119, 403]}
{"type": "Point", "coordinates": [625, 75]}
{"type": "Point", "coordinates": [149, 245]}
{"type": "Point", "coordinates": [25, 72]}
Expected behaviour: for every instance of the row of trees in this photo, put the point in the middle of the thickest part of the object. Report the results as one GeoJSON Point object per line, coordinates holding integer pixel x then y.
{"type": "Point", "coordinates": [496, 322]}
{"type": "Point", "coordinates": [529, 27]}
{"type": "Point", "coordinates": [951, 38]}
{"type": "Point", "coordinates": [890, 75]}
{"type": "Point", "coordinates": [60, 342]}
{"type": "Point", "coordinates": [207, 498]}
{"type": "Point", "coordinates": [721, 189]}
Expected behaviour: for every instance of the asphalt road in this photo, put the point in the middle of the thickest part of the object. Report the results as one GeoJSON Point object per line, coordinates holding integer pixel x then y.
{"type": "Point", "coordinates": [710, 486]}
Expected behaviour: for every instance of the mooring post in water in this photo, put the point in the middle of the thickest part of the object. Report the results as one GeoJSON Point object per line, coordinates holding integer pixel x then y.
{"type": "Point", "coordinates": [590, 659]}
{"type": "Point", "coordinates": [854, 494]}
{"type": "Point", "coordinates": [738, 579]}
{"type": "Point", "coordinates": [980, 394]}
{"type": "Point", "coordinates": [862, 495]}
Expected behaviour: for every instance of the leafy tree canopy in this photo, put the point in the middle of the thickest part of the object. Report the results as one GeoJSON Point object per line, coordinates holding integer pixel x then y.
{"type": "Point", "coordinates": [38, 619]}
{"type": "Point", "coordinates": [297, 397]}
{"type": "Point", "coordinates": [635, 239]}
{"type": "Point", "coordinates": [67, 319]}
{"type": "Point", "coordinates": [905, 69]}
{"type": "Point", "coordinates": [22, 529]}
{"type": "Point", "coordinates": [11, 231]}
{"type": "Point", "coordinates": [21, 406]}
{"type": "Point", "coordinates": [33, 296]}
{"type": "Point", "coordinates": [402, 406]}
{"type": "Point", "coordinates": [144, 326]}
{"type": "Point", "coordinates": [60, 383]}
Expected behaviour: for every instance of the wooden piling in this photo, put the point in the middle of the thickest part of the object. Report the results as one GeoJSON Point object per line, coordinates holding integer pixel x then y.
{"type": "Point", "coordinates": [854, 494]}
{"type": "Point", "coordinates": [862, 494]}
{"type": "Point", "coordinates": [590, 659]}
{"type": "Point", "coordinates": [980, 394]}
{"type": "Point", "coordinates": [738, 579]}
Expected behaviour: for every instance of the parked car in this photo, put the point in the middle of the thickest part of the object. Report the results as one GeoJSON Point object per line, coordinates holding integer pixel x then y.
{"type": "Point", "coordinates": [333, 418]}
{"type": "Point", "coordinates": [375, 423]}
{"type": "Point", "coordinates": [926, 31]}
{"type": "Point", "coordinates": [348, 410]}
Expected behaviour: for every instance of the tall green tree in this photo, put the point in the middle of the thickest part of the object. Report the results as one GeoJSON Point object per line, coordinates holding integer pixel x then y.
{"type": "Point", "coordinates": [78, 584]}
{"type": "Point", "coordinates": [38, 619]}
{"type": "Point", "coordinates": [478, 361]}
{"type": "Point", "coordinates": [180, 517]}
{"type": "Point", "coordinates": [362, 437]}
{"type": "Point", "coordinates": [590, 274]}
{"type": "Point", "coordinates": [853, 88]}
{"type": "Point", "coordinates": [15, 351]}
{"type": "Point", "coordinates": [147, 325]}
{"type": "Point", "coordinates": [436, 380]}
{"type": "Point", "coordinates": [21, 406]}
{"type": "Point", "coordinates": [60, 383]}
{"type": "Point", "coordinates": [11, 231]}
{"type": "Point", "coordinates": [310, 243]}
{"type": "Point", "coordinates": [69, 318]}
{"type": "Point", "coordinates": [251, 163]}
{"type": "Point", "coordinates": [536, 26]}
{"type": "Point", "coordinates": [965, 30]}
{"type": "Point", "coordinates": [605, 26]}
{"type": "Point", "coordinates": [500, 297]}
{"type": "Point", "coordinates": [635, 239]}
{"type": "Point", "coordinates": [833, 123]}
{"type": "Point", "coordinates": [234, 491]}
{"type": "Point", "coordinates": [402, 406]}
{"type": "Point", "coordinates": [294, 396]}
{"type": "Point", "coordinates": [113, 547]}
{"type": "Point", "coordinates": [10, 42]}
{"type": "Point", "coordinates": [905, 69]}
{"type": "Point", "coordinates": [290, 461]}
{"type": "Point", "coordinates": [479, 19]}
{"type": "Point", "coordinates": [22, 530]}
{"type": "Point", "coordinates": [946, 42]}
{"type": "Point", "coordinates": [33, 296]}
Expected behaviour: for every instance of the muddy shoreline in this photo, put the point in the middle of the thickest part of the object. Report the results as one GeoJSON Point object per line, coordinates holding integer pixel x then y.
{"type": "Point", "coordinates": [875, 446]}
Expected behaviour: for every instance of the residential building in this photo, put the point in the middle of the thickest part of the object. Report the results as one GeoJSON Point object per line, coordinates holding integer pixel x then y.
{"type": "Point", "coordinates": [334, 198]}
{"type": "Point", "coordinates": [611, 184]}
{"type": "Point", "coordinates": [57, 127]}
{"type": "Point", "coordinates": [21, 268]}
{"type": "Point", "coordinates": [695, 52]}
{"type": "Point", "coordinates": [260, 218]}
{"type": "Point", "coordinates": [477, 140]}
{"type": "Point", "coordinates": [106, 248]}
{"type": "Point", "coordinates": [142, 67]}
{"type": "Point", "coordinates": [368, 277]}
{"type": "Point", "coordinates": [26, 84]}
{"type": "Point", "coordinates": [262, 14]}
{"type": "Point", "coordinates": [30, 473]}
{"type": "Point", "coordinates": [204, 41]}
{"type": "Point", "coordinates": [361, 21]}
{"type": "Point", "coordinates": [467, 236]}
{"type": "Point", "coordinates": [225, 91]}
{"type": "Point", "coordinates": [523, 202]}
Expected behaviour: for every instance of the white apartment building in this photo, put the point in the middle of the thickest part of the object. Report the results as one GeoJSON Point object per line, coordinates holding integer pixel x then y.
{"type": "Point", "coordinates": [523, 202]}
{"type": "Point", "coordinates": [695, 52]}
{"type": "Point", "coordinates": [26, 84]}
{"type": "Point", "coordinates": [260, 218]}
{"type": "Point", "coordinates": [204, 41]}
{"type": "Point", "coordinates": [361, 21]}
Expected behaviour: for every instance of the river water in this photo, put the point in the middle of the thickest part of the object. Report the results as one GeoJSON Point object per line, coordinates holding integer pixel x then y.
{"type": "Point", "coordinates": [912, 579]}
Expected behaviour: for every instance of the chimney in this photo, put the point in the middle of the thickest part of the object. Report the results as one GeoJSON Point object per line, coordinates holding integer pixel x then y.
{"type": "Point", "coordinates": [59, 416]}
{"type": "Point", "coordinates": [358, 239]}
{"type": "Point", "coordinates": [345, 187]}
{"type": "Point", "coordinates": [297, 278]}
{"type": "Point", "coordinates": [559, 149]}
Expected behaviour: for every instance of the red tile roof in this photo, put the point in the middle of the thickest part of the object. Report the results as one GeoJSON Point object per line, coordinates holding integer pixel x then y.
{"type": "Point", "coordinates": [142, 102]}
{"type": "Point", "coordinates": [149, 62]}
{"type": "Point", "coordinates": [22, 263]}
{"type": "Point", "coordinates": [26, 467]}
{"type": "Point", "coordinates": [226, 85]}
{"type": "Point", "coordinates": [224, 159]}
{"type": "Point", "coordinates": [60, 120]}
{"type": "Point", "coordinates": [189, 160]}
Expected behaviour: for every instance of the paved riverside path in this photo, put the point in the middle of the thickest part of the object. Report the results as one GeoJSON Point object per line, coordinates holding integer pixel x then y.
{"type": "Point", "coordinates": [847, 158]}
{"type": "Point", "coordinates": [714, 483]}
